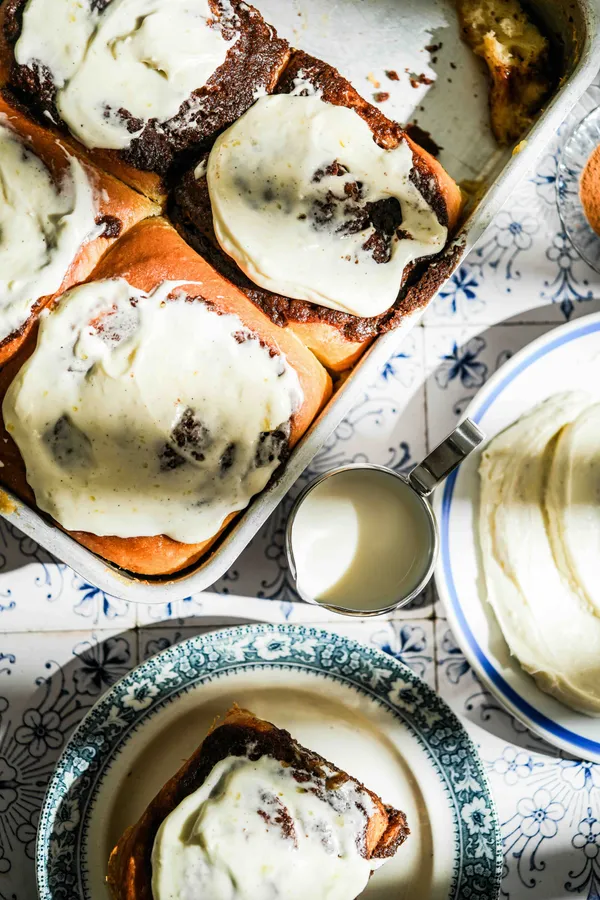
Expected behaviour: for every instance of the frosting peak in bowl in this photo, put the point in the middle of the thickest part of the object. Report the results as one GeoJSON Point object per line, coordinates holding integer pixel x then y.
{"type": "Point", "coordinates": [144, 414]}
{"type": "Point", "coordinates": [311, 207]}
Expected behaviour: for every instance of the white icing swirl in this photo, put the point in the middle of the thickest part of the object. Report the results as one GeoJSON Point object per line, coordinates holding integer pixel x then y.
{"type": "Point", "coordinates": [42, 226]}
{"type": "Point", "coordinates": [309, 206]}
{"type": "Point", "coordinates": [142, 415]}
{"type": "Point", "coordinates": [142, 56]}
{"type": "Point", "coordinates": [253, 832]}
{"type": "Point", "coordinates": [539, 543]}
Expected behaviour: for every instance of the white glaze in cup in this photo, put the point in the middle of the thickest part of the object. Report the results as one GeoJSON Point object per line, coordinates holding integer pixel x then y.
{"type": "Point", "coordinates": [362, 540]}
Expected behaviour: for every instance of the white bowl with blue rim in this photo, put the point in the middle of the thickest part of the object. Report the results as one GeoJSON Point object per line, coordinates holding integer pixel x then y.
{"type": "Point", "coordinates": [567, 358]}
{"type": "Point", "coordinates": [355, 705]}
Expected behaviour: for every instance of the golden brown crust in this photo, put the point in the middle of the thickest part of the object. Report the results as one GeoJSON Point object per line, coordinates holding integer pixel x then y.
{"type": "Point", "coordinates": [118, 207]}
{"type": "Point", "coordinates": [332, 346]}
{"type": "Point", "coordinates": [149, 254]}
{"type": "Point", "coordinates": [338, 339]}
{"type": "Point", "coordinates": [253, 63]}
{"type": "Point", "coordinates": [129, 868]}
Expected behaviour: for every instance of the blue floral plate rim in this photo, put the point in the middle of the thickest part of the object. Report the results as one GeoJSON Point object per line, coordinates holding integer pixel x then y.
{"type": "Point", "coordinates": [124, 707]}
{"type": "Point", "coordinates": [543, 725]}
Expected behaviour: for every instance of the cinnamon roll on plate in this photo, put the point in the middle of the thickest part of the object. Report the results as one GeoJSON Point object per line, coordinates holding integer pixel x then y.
{"type": "Point", "coordinates": [253, 814]}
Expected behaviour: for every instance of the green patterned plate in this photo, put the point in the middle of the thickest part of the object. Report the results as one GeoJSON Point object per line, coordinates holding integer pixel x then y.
{"type": "Point", "coordinates": [355, 705]}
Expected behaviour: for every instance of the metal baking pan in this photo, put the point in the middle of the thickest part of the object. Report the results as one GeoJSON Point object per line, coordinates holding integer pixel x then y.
{"type": "Point", "coordinates": [363, 39]}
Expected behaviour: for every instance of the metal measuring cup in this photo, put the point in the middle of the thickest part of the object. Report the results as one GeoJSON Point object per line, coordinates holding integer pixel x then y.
{"type": "Point", "coordinates": [422, 480]}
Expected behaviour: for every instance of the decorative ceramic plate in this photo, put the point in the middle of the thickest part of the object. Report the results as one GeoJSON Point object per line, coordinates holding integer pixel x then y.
{"type": "Point", "coordinates": [567, 358]}
{"type": "Point", "coordinates": [355, 705]}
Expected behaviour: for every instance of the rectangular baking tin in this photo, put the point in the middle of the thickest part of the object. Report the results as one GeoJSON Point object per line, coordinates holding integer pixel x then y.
{"type": "Point", "coordinates": [364, 38]}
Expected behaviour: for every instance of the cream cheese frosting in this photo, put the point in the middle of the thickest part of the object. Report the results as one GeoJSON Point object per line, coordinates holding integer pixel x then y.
{"type": "Point", "coordinates": [142, 56]}
{"type": "Point", "coordinates": [573, 505]}
{"type": "Point", "coordinates": [43, 223]}
{"type": "Point", "coordinates": [529, 525]}
{"type": "Point", "coordinates": [309, 206]}
{"type": "Point", "coordinates": [254, 832]}
{"type": "Point", "coordinates": [141, 414]}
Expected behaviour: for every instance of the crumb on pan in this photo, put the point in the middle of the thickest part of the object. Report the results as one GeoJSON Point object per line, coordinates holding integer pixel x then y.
{"type": "Point", "coordinates": [381, 96]}
{"type": "Point", "coordinates": [418, 79]}
{"type": "Point", "coordinates": [518, 57]}
{"type": "Point", "coordinates": [474, 190]}
{"type": "Point", "coordinates": [7, 504]}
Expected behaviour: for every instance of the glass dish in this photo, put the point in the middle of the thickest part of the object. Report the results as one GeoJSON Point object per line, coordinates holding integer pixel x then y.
{"type": "Point", "coordinates": [576, 152]}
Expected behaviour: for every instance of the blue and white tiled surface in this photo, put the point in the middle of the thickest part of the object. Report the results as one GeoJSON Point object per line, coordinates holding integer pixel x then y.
{"type": "Point", "coordinates": [63, 642]}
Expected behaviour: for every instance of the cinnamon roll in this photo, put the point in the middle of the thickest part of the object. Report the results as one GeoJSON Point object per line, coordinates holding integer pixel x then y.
{"type": "Point", "coordinates": [156, 402]}
{"type": "Point", "coordinates": [139, 82]}
{"type": "Point", "coordinates": [323, 211]}
{"type": "Point", "coordinates": [254, 815]}
{"type": "Point", "coordinates": [58, 215]}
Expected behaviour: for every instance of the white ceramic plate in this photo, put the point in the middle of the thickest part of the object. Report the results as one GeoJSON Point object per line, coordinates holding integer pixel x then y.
{"type": "Point", "coordinates": [355, 705]}
{"type": "Point", "coordinates": [567, 358]}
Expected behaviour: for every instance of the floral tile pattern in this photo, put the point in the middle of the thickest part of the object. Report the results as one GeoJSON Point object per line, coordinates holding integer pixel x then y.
{"type": "Point", "coordinates": [458, 361]}
{"type": "Point", "coordinates": [63, 642]}
{"type": "Point", "coordinates": [462, 690]}
{"type": "Point", "coordinates": [37, 592]}
{"type": "Point", "coordinates": [552, 833]}
{"type": "Point", "coordinates": [48, 681]}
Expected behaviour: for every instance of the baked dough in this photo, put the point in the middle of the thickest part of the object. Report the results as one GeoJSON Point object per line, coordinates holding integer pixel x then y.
{"type": "Point", "coordinates": [117, 206]}
{"type": "Point", "coordinates": [254, 57]}
{"type": "Point", "coordinates": [241, 734]}
{"type": "Point", "coordinates": [337, 338]}
{"type": "Point", "coordinates": [147, 256]}
{"type": "Point", "coordinates": [518, 57]}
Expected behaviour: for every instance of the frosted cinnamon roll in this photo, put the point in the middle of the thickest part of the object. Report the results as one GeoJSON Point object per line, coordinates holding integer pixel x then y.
{"type": "Point", "coordinates": [250, 826]}
{"type": "Point", "coordinates": [141, 79]}
{"type": "Point", "coordinates": [155, 406]}
{"type": "Point", "coordinates": [254, 815]}
{"type": "Point", "coordinates": [309, 206]}
{"type": "Point", "coordinates": [163, 416]}
{"type": "Point", "coordinates": [57, 216]}
{"type": "Point", "coordinates": [325, 208]}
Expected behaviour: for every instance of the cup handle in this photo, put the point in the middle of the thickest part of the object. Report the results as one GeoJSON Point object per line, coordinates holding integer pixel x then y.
{"type": "Point", "coordinates": [444, 459]}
